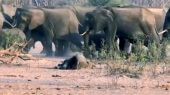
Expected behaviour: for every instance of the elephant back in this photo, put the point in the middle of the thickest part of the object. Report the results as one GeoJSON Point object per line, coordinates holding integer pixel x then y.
{"type": "Point", "coordinates": [61, 19]}
{"type": "Point", "coordinates": [80, 12]}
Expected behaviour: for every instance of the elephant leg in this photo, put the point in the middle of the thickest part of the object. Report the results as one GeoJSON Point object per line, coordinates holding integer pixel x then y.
{"type": "Point", "coordinates": [121, 44]}
{"type": "Point", "coordinates": [75, 38]}
{"type": "Point", "coordinates": [61, 47]}
{"type": "Point", "coordinates": [86, 40]}
{"type": "Point", "coordinates": [48, 37]}
{"type": "Point", "coordinates": [127, 47]}
{"type": "Point", "coordinates": [48, 45]}
{"type": "Point", "coordinates": [45, 46]}
{"type": "Point", "coordinates": [44, 51]}
{"type": "Point", "coordinates": [66, 46]}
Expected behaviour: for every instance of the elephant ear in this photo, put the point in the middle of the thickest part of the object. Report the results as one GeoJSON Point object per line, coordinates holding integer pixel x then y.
{"type": "Point", "coordinates": [88, 15]}
{"type": "Point", "coordinates": [37, 18]}
{"type": "Point", "coordinates": [89, 18]}
{"type": "Point", "coordinates": [109, 15]}
{"type": "Point", "coordinates": [110, 9]}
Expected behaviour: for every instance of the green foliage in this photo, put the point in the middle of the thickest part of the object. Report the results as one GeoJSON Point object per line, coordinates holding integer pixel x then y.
{"type": "Point", "coordinates": [152, 53]}
{"type": "Point", "coordinates": [104, 53]}
{"type": "Point", "coordinates": [7, 39]}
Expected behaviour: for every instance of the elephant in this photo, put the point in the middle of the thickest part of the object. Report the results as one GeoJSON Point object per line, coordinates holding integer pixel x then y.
{"type": "Point", "coordinates": [135, 24]}
{"type": "Point", "coordinates": [80, 12]}
{"type": "Point", "coordinates": [101, 20]}
{"type": "Point", "coordinates": [58, 25]}
{"type": "Point", "coordinates": [161, 21]}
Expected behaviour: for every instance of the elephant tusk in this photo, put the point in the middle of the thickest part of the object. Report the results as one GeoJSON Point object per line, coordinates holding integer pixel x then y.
{"type": "Point", "coordinates": [83, 33]}
{"type": "Point", "coordinates": [9, 23]}
{"type": "Point", "coordinates": [163, 32]}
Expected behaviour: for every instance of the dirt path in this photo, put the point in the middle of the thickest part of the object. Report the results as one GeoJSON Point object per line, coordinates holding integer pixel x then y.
{"type": "Point", "coordinates": [39, 78]}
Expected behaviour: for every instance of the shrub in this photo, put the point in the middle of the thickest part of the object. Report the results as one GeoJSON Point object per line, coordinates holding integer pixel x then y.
{"type": "Point", "coordinates": [9, 37]}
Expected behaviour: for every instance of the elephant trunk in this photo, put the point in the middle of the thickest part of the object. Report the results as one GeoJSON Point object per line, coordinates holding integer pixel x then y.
{"type": "Point", "coordinates": [13, 26]}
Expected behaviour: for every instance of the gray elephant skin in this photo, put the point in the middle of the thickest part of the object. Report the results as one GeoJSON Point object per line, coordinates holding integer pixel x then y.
{"type": "Point", "coordinates": [133, 24]}
{"type": "Point", "coordinates": [57, 25]}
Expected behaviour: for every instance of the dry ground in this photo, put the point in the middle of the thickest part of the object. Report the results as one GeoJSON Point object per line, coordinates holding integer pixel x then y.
{"type": "Point", "coordinates": [37, 77]}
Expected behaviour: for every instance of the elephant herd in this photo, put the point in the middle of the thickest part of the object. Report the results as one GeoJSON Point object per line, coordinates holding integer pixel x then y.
{"type": "Point", "coordinates": [83, 25]}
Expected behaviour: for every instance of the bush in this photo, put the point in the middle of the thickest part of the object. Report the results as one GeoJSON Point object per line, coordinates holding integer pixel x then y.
{"type": "Point", "coordinates": [142, 54]}
{"type": "Point", "coordinates": [9, 37]}
{"type": "Point", "coordinates": [104, 53]}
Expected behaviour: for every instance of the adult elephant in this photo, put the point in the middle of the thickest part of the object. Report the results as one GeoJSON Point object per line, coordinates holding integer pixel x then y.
{"type": "Point", "coordinates": [58, 25]}
{"type": "Point", "coordinates": [133, 24]}
{"type": "Point", "coordinates": [100, 20]}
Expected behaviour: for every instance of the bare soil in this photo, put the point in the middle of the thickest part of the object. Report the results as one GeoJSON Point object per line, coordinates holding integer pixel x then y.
{"type": "Point", "coordinates": [38, 77]}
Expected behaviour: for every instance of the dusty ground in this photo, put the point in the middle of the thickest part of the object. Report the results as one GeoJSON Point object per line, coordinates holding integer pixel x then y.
{"type": "Point", "coordinates": [37, 77]}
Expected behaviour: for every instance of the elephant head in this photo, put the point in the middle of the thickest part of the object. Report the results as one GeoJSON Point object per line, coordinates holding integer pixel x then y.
{"type": "Point", "coordinates": [22, 18]}
{"type": "Point", "coordinates": [29, 18]}
{"type": "Point", "coordinates": [166, 26]}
